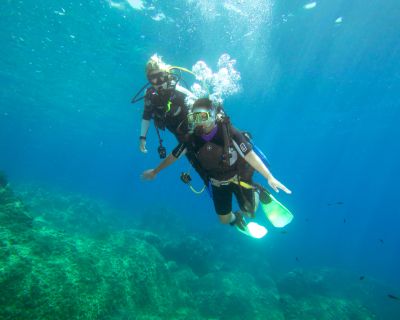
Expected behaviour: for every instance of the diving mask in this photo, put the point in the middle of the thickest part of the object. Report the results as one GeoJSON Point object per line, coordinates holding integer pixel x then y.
{"type": "Point", "coordinates": [158, 78]}
{"type": "Point", "coordinates": [200, 118]}
{"type": "Point", "coordinates": [162, 81]}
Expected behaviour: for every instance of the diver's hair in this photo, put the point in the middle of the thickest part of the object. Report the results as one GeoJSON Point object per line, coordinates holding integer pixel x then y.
{"type": "Point", "coordinates": [203, 103]}
{"type": "Point", "coordinates": [155, 63]}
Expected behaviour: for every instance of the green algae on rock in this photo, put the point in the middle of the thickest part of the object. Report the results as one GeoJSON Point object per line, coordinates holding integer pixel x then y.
{"type": "Point", "coordinates": [53, 269]}
{"type": "Point", "coordinates": [3, 180]}
{"type": "Point", "coordinates": [46, 272]}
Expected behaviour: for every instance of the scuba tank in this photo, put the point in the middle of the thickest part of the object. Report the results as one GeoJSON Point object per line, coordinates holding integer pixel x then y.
{"type": "Point", "coordinates": [257, 150]}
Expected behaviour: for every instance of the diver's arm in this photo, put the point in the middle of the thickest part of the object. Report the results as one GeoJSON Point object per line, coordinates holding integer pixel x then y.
{"type": "Point", "coordinates": [143, 133]}
{"type": "Point", "coordinates": [144, 127]}
{"type": "Point", "coordinates": [152, 173]}
{"type": "Point", "coordinates": [254, 160]}
{"type": "Point", "coordinates": [172, 157]}
{"type": "Point", "coordinates": [146, 117]}
{"type": "Point", "coordinates": [166, 163]}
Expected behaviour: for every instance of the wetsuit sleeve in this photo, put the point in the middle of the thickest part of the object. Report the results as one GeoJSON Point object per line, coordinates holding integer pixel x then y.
{"type": "Point", "coordinates": [148, 108]}
{"type": "Point", "coordinates": [179, 150]}
{"type": "Point", "coordinates": [240, 142]}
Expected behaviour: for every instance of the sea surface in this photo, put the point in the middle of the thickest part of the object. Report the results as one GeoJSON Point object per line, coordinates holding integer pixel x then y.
{"type": "Point", "coordinates": [82, 236]}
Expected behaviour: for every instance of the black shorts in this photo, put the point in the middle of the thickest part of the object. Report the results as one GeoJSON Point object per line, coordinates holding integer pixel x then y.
{"type": "Point", "coordinates": [222, 198]}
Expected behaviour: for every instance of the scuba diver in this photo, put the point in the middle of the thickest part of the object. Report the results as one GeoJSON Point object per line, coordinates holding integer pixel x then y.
{"type": "Point", "coordinates": [226, 157]}
{"type": "Point", "coordinates": [164, 102]}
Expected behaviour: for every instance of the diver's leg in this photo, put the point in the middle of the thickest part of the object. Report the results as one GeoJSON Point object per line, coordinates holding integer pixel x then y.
{"type": "Point", "coordinates": [222, 197]}
{"type": "Point", "coordinates": [247, 199]}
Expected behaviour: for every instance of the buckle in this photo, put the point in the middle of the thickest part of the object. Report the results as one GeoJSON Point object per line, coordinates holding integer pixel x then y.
{"type": "Point", "coordinates": [218, 183]}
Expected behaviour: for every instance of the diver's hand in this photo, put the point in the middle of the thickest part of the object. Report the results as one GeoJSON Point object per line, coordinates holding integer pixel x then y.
{"type": "Point", "coordinates": [149, 174]}
{"type": "Point", "coordinates": [276, 185]}
{"type": "Point", "coordinates": [142, 146]}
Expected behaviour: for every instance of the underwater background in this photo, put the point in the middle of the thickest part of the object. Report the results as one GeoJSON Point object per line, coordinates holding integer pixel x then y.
{"type": "Point", "coordinates": [83, 237]}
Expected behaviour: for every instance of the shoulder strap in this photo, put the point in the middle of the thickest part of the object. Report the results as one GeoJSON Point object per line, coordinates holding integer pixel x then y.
{"type": "Point", "coordinates": [226, 124]}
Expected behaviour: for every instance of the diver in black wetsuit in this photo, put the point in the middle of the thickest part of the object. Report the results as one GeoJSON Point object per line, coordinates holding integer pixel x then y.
{"type": "Point", "coordinates": [226, 157]}
{"type": "Point", "coordinates": [164, 102]}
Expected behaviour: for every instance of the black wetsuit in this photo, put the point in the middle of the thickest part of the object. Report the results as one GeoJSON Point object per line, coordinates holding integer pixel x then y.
{"type": "Point", "coordinates": [174, 119]}
{"type": "Point", "coordinates": [209, 155]}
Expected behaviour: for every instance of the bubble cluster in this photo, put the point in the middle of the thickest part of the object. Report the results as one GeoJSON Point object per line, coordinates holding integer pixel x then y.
{"type": "Point", "coordinates": [216, 85]}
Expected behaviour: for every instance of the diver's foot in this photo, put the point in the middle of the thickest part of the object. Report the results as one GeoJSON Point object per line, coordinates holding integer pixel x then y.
{"type": "Point", "coordinates": [264, 196]}
{"type": "Point", "coordinates": [240, 222]}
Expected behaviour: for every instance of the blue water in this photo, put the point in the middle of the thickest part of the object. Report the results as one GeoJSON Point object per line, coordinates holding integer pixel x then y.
{"type": "Point", "coordinates": [320, 97]}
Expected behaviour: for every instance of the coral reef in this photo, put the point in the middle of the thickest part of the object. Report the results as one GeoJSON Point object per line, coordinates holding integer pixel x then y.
{"type": "Point", "coordinates": [235, 296]}
{"type": "Point", "coordinates": [3, 180]}
{"type": "Point", "coordinates": [70, 213]}
{"type": "Point", "coordinates": [45, 271]}
{"type": "Point", "coordinates": [324, 308]}
{"type": "Point", "coordinates": [65, 257]}
{"type": "Point", "coordinates": [192, 251]}
{"type": "Point", "coordinates": [13, 212]}
{"type": "Point", "coordinates": [307, 295]}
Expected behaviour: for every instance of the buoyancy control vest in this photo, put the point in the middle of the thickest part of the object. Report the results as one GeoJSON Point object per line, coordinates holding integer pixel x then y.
{"type": "Point", "coordinates": [223, 162]}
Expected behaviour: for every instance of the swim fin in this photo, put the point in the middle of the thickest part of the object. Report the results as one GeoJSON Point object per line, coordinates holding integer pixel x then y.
{"type": "Point", "coordinates": [275, 211]}
{"type": "Point", "coordinates": [253, 230]}
{"type": "Point", "coordinates": [250, 229]}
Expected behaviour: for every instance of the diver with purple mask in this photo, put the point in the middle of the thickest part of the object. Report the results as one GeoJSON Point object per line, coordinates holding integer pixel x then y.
{"type": "Point", "coordinates": [226, 160]}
